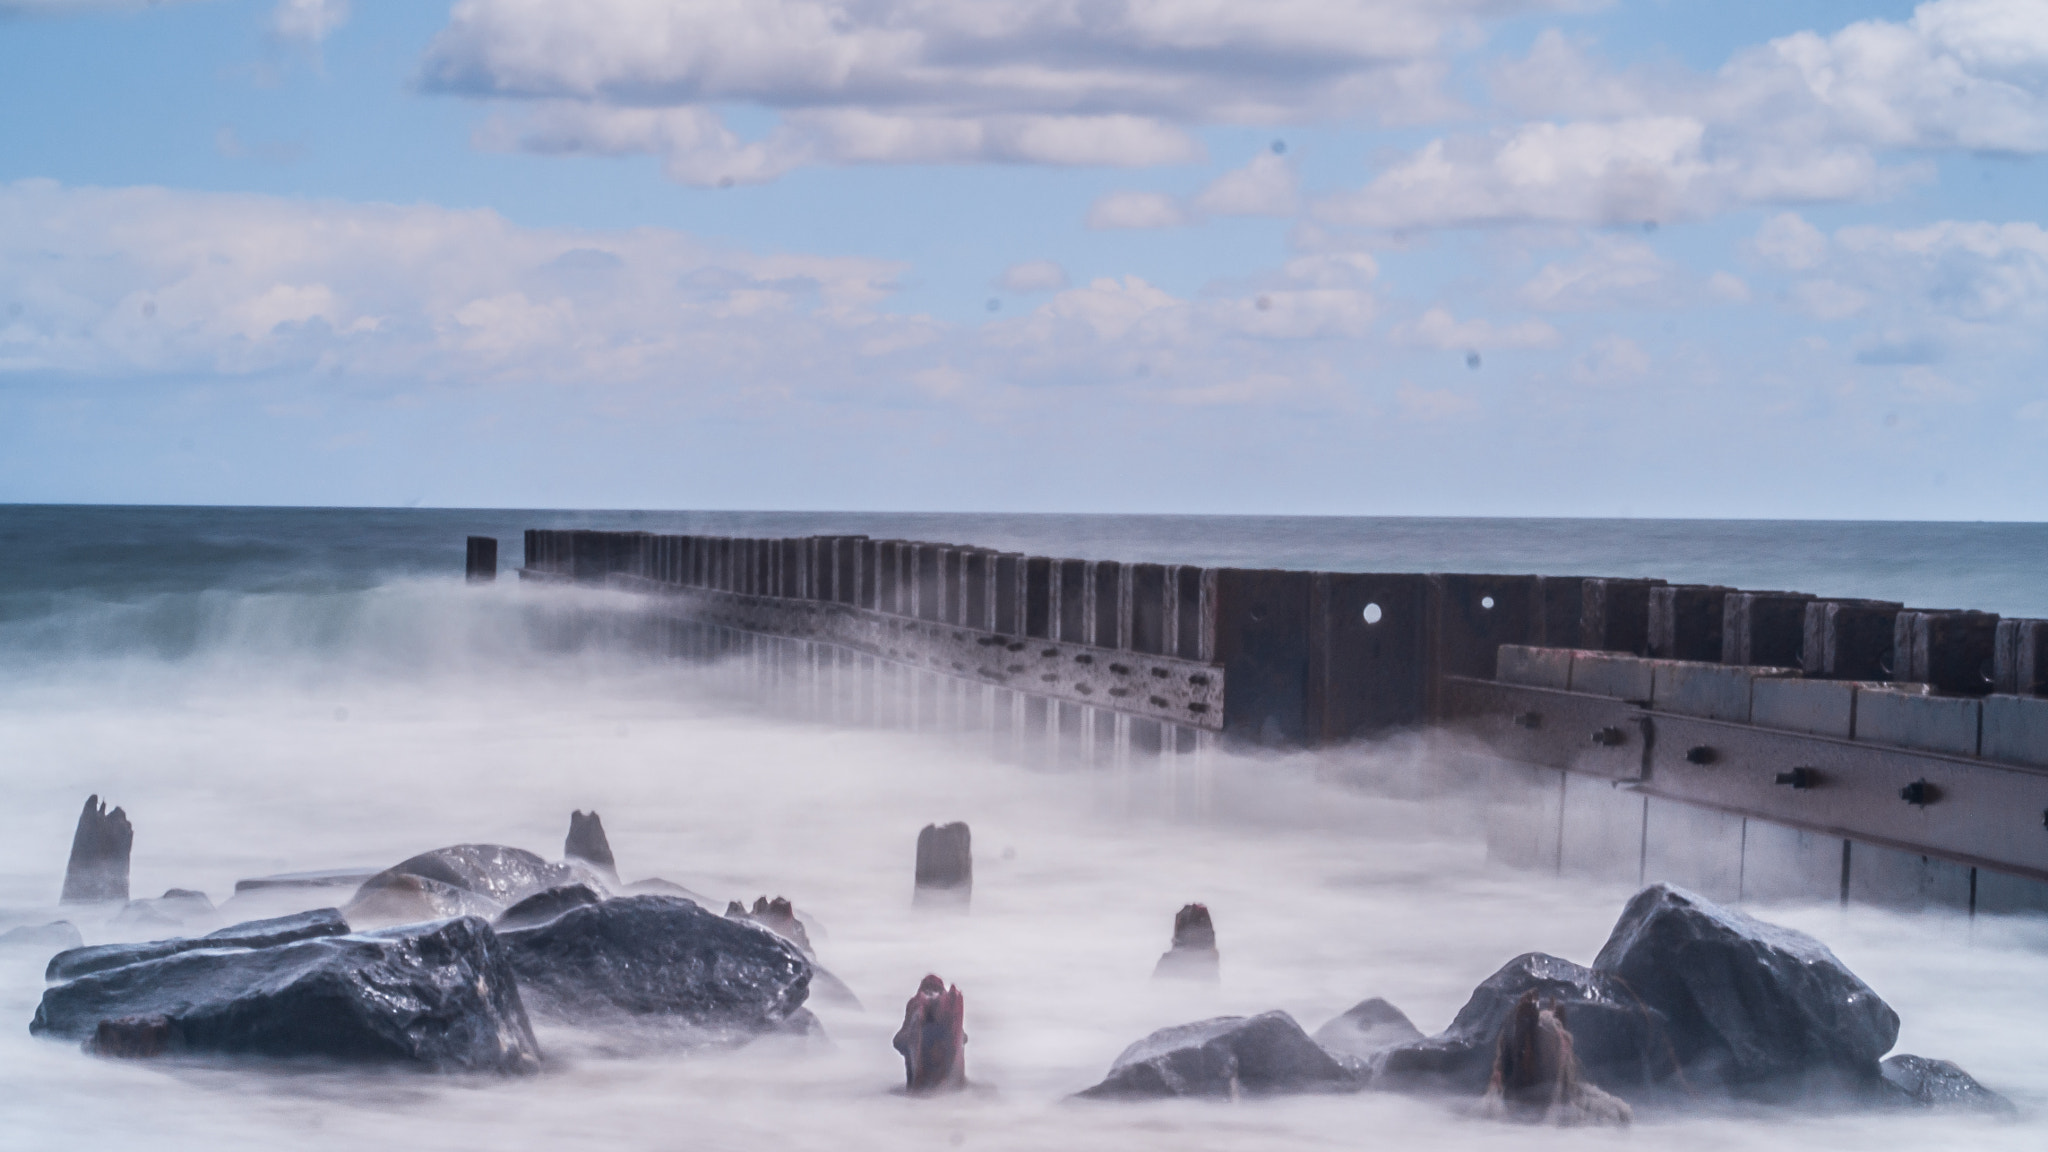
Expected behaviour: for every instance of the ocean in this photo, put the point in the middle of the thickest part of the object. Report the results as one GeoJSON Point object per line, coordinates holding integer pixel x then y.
{"type": "Point", "coordinates": [269, 690]}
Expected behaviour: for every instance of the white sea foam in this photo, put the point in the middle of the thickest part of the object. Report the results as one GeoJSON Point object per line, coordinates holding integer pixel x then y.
{"type": "Point", "coordinates": [304, 731]}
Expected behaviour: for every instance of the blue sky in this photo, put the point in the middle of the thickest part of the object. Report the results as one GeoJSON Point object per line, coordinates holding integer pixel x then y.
{"type": "Point", "coordinates": [1477, 257]}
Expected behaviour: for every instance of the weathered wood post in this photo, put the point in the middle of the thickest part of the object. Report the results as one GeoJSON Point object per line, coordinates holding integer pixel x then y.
{"type": "Point", "coordinates": [482, 566]}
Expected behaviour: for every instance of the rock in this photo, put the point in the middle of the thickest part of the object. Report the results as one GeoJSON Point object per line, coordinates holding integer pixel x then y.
{"type": "Point", "coordinates": [656, 886]}
{"type": "Point", "coordinates": [1925, 1083]}
{"type": "Point", "coordinates": [60, 935]}
{"type": "Point", "coordinates": [131, 1037]}
{"type": "Point", "coordinates": [945, 865]}
{"type": "Point", "coordinates": [439, 995]}
{"type": "Point", "coordinates": [587, 843]}
{"type": "Point", "coordinates": [326, 878]}
{"type": "Point", "coordinates": [464, 880]}
{"type": "Point", "coordinates": [1749, 1008]}
{"type": "Point", "coordinates": [660, 957]}
{"type": "Point", "coordinates": [933, 1039]}
{"type": "Point", "coordinates": [1193, 955]}
{"type": "Point", "coordinates": [100, 846]}
{"type": "Point", "coordinates": [1231, 1056]}
{"type": "Point", "coordinates": [1617, 1040]}
{"type": "Point", "coordinates": [1536, 1077]}
{"type": "Point", "coordinates": [144, 915]}
{"type": "Point", "coordinates": [777, 916]}
{"type": "Point", "coordinates": [173, 909]}
{"type": "Point", "coordinates": [1369, 1028]}
{"type": "Point", "coordinates": [544, 906]}
{"type": "Point", "coordinates": [313, 925]}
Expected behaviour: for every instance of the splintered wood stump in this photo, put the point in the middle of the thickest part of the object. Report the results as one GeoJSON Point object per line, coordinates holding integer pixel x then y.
{"type": "Point", "coordinates": [933, 1039]}
{"type": "Point", "coordinates": [99, 855]}
{"type": "Point", "coordinates": [945, 865]}
{"type": "Point", "coordinates": [587, 843]}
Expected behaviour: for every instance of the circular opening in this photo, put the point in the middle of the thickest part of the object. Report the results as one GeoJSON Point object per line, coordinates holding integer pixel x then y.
{"type": "Point", "coordinates": [1372, 613]}
{"type": "Point", "coordinates": [1486, 602]}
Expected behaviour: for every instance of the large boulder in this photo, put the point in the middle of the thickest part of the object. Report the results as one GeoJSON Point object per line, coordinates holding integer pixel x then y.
{"type": "Point", "coordinates": [463, 880]}
{"type": "Point", "coordinates": [1367, 1029]}
{"type": "Point", "coordinates": [1231, 1056]}
{"type": "Point", "coordinates": [100, 846]}
{"type": "Point", "coordinates": [56, 936]}
{"type": "Point", "coordinates": [660, 958]}
{"type": "Point", "coordinates": [1748, 1007]}
{"type": "Point", "coordinates": [439, 995]}
{"type": "Point", "coordinates": [76, 962]}
{"type": "Point", "coordinates": [1617, 1039]}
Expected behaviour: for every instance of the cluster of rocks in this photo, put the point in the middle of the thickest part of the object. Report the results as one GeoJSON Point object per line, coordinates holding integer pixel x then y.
{"type": "Point", "coordinates": [1687, 1000]}
{"type": "Point", "coordinates": [488, 940]}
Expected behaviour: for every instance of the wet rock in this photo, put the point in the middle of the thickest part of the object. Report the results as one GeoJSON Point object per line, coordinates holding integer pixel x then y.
{"type": "Point", "coordinates": [1749, 1008]}
{"type": "Point", "coordinates": [945, 866]}
{"type": "Point", "coordinates": [1618, 1040]}
{"type": "Point", "coordinates": [438, 995]}
{"type": "Point", "coordinates": [60, 935]}
{"type": "Point", "coordinates": [1925, 1083]}
{"type": "Point", "coordinates": [933, 1039]}
{"type": "Point", "coordinates": [350, 878]}
{"type": "Point", "coordinates": [463, 880]}
{"type": "Point", "coordinates": [663, 958]}
{"type": "Point", "coordinates": [270, 933]}
{"type": "Point", "coordinates": [144, 916]}
{"type": "Point", "coordinates": [587, 843]}
{"type": "Point", "coordinates": [1193, 955]}
{"type": "Point", "coordinates": [544, 906]}
{"type": "Point", "coordinates": [1367, 1029]}
{"type": "Point", "coordinates": [98, 869]}
{"type": "Point", "coordinates": [174, 908]}
{"type": "Point", "coordinates": [1228, 1057]}
{"type": "Point", "coordinates": [656, 886]}
{"type": "Point", "coordinates": [131, 1037]}
{"type": "Point", "coordinates": [1536, 1076]}
{"type": "Point", "coordinates": [777, 916]}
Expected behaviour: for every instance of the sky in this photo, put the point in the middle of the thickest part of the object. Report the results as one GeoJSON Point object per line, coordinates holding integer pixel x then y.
{"type": "Point", "coordinates": [1692, 258]}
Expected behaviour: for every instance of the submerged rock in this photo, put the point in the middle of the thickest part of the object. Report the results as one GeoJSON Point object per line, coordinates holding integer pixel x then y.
{"type": "Point", "coordinates": [58, 935]}
{"type": "Point", "coordinates": [1536, 1076]}
{"type": "Point", "coordinates": [933, 1039]}
{"type": "Point", "coordinates": [439, 995]}
{"type": "Point", "coordinates": [1227, 1057]}
{"type": "Point", "coordinates": [1193, 955]}
{"type": "Point", "coordinates": [174, 908]}
{"type": "Point", "coordinates": [1617, 1039]}
{"type": "Point", "coordinates": [463, 880]}
{"type": "Point", "coordinates": [945, 865]}
{"type": "Point", "coordinates": [588, 843]}
{"type": "Point", "coordinates": [312, 925]}
{"type": "Point", "coordinates": [544, 906]}
{"type": "Point", "coordinates": [100, 846]}
{"type": "Point", "coordinates": [1925, 1083]}
{"type": "Point", "coordinates": [664, 958]}
{"type": "Point", "coordinates": [1367, 1029]}
{"type": "Point", "coordinates": [1748, 1007]}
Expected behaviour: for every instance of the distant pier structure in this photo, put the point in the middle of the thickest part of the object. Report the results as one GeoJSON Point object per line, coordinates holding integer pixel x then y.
{"type": "Point", "coordinates": [1751, 745]}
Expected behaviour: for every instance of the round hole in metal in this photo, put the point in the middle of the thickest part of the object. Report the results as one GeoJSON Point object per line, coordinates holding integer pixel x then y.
{"type": "Point", "coordinates": [1372, 614]}
{"type": "Point", "coordinates": [1486, 602]}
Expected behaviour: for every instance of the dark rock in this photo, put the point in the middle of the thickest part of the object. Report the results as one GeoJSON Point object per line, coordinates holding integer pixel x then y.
{"type": "Point", "coordinates": [1536, 1076]}
{"type": "Point", "coordinates": [1263, 1055]}
{"type": "Point", "coordinates": [1193, 955]}
{"type": "Point", "coordinates": [933, 1039]}
{"type": "Point", "coordinates": [100, 846]}
{"type": "Point", "coordinates": [327, 878]}
{"type": "Point", "coordinates": [945, 864]}
{"type": "Point", "coordinates": [440, 995]}
{"type": "Point", "coordinates": [1925, 1083]}
{"type": "Point", "coordinates": [463, 880]}
{"type": "Point", "coordinates": [587, 843]}
{"type": "Point", "coordinates": [312, 925]}
{"type": "Point", "coordinates": [777, 916]}
{"type": "Point", "coordinates": [58, 936]}
{"type": "Point", "coordinates": [662, 957]}
{"type": "Point", "coordinates": [1749, 1007]}
{"type": "Point", "coordinates": [1618, 1041]}
{"type": "Point", "coordinates": [173, 909]}
{"type": "Point", "coordinates": [544, 906]}
{"type": "Point", "coordinates": [1370, 1027]}
{"type": "Point", "coordinates": [132, 1037]}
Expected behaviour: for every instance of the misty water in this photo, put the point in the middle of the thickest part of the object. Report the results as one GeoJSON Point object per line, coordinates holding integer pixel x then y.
{"type": "Point", "coordinates": [278, 691]}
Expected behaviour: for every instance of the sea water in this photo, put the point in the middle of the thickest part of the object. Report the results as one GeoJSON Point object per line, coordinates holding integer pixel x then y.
{"type": "Point", "coordinates": [280, 690]}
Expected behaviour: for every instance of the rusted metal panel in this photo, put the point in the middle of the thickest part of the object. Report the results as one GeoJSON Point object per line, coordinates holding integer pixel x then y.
{"type": "Point", "coordinates": [1912, 719]}
{"type": "Point", "coordinates": [1535, 667]}
{"type": "Point", "coordinates": [1039, 603]}
{"type": "Point", "coordinates": [1767, 628]}
{"type": "Point", "coordinates": [1713, 691]}
{"type": "Point", "coordinates": [1849, 639]}
{"type": "Point", "coordinates": [2020, 657]}
{"type": "Point", "coordinates": [1263, 619]}
{"type": "Point", "coordinates": [1471, 616]}
{"type": "Point", "coordinates": [980, 584]}
{"type": "Point", "coordinates": [1591, 735]}
{"type": "Point", "coordinates": [1951, 650]}
{"type": "Point", "coordinates": [1615, 615]}
{"type": "Point", "coordinates": [1615, 674]}
{"type": "Point", "coordinates": [2016, 730]}
{"type": "Point", "coordinates": [1070, 586]}
{"type": "Point", "coordinates": [1148, 607]}
{"type": "Point", "coordinates": [1009, 594]}
{"type": "Point", "coordinates": [1369, 654]}
{"type": "Point", "coordinates": [1556, 606]}
{"type": "Point", "coordinates": [1685, 621]}
{"type": "Point", "coordinates": [1107, 586]}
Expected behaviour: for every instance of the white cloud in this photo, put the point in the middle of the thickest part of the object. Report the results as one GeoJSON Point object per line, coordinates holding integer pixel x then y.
{"type": "Point", "coordinates": [1728, 288]}
{"type": "Point", "coordinates": [1612, 272]}
{"type": "Point", "coordinates": [1949, 284]}
{"type": "Point", "coordinates": [1264, 187]}
{"type": "Point", "coordinates": [1136, 210]}
{"type": "Point", "coordinates": [308, 21]}
{"type": "Point", "coordinates": [1611, 360]}
{"type": "Point", "coordinates": [1788, 241]}
{"type": "Point", "coordinates": [1437, 328]}
{"type": "Point", "coordinates": [892, 81]}
{"type": "Point", "coordinates": [1033, 276]}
